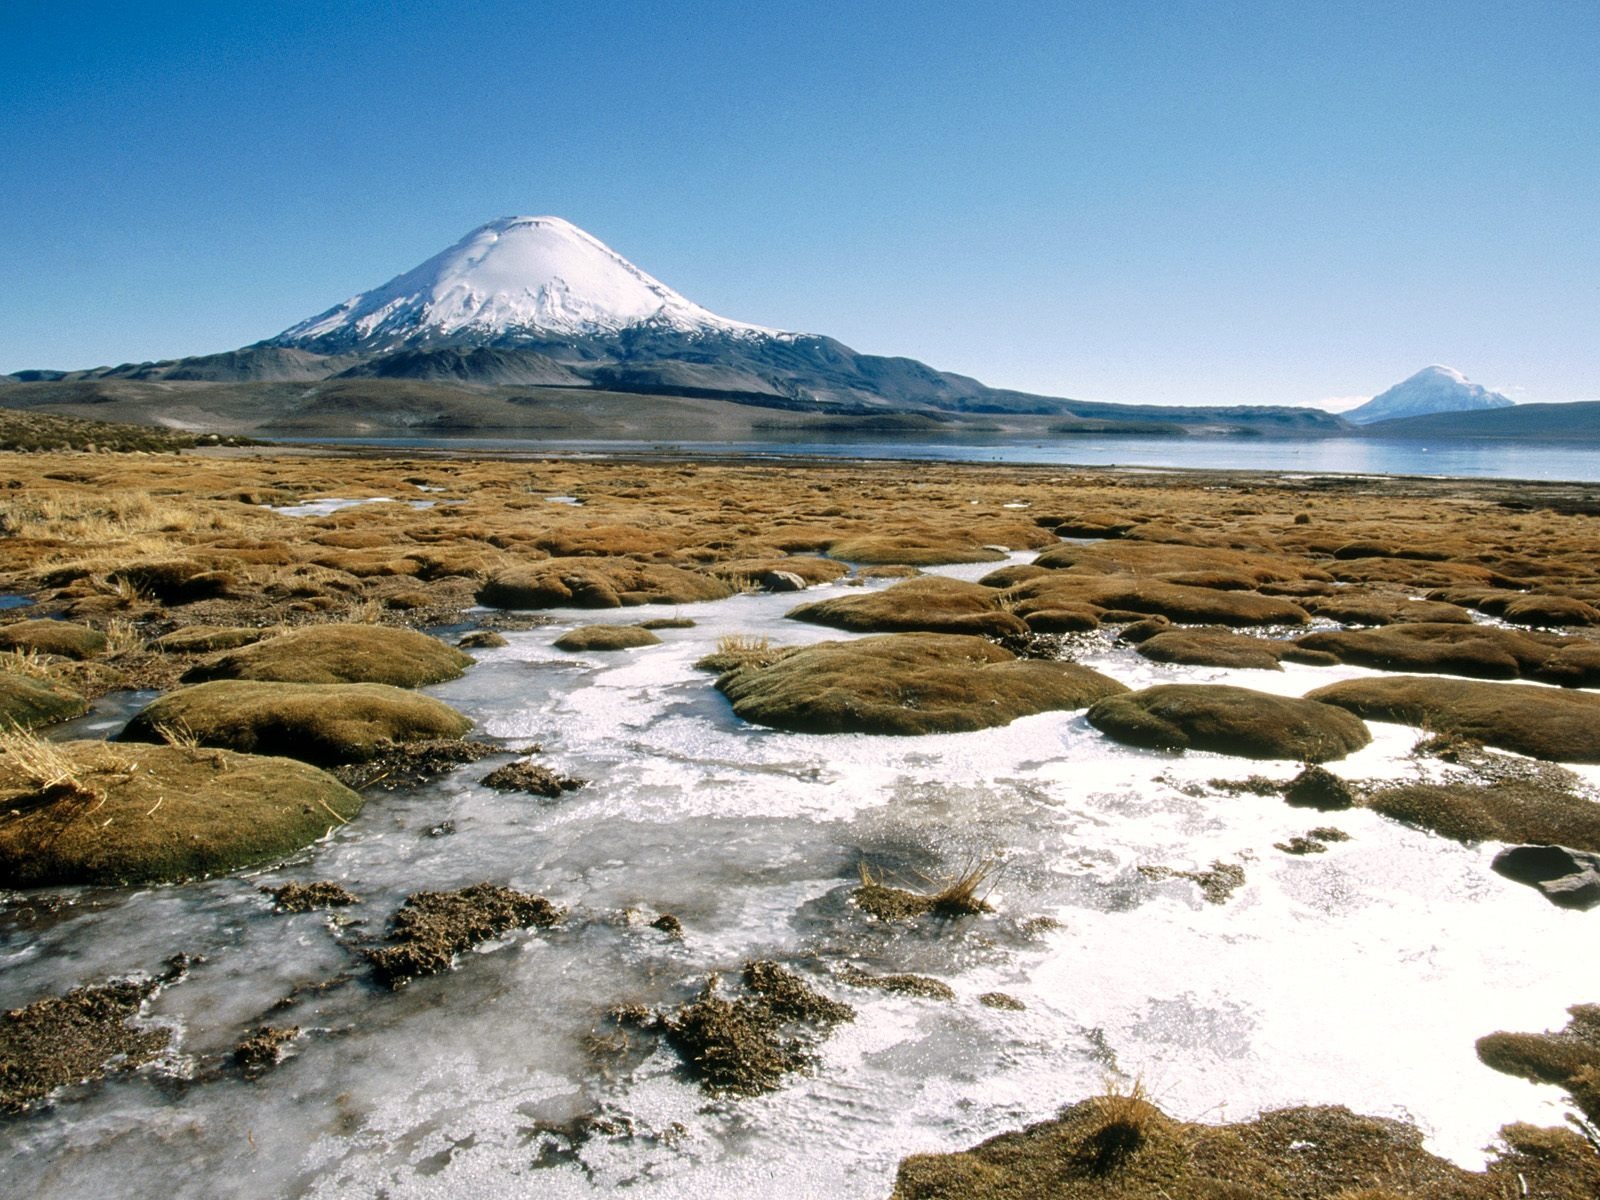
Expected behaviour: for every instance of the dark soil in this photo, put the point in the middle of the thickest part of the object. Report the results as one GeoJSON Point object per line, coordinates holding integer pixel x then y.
{"type": "Point", "coordinates": [431, 928]}
{"type": "Point", "coordinates": [531, 778]}
{"type": "Point", "coordinates": [746, 1046]}
{"type": "Point", "coordinates": [68, 1039]}
{"type": "Point", "coordinates": [668, 924]}
{"type": "Point", "coordinates": [304, 897]}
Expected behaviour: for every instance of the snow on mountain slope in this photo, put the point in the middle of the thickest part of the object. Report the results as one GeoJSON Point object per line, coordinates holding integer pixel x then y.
{"type": "Point", "coordinates": [535, 276]}
{"type": "Point", "coordinates": [1434, 389]}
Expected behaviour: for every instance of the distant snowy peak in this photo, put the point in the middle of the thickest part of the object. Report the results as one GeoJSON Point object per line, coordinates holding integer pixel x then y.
{"type": "Point", "coordinates": [1434, 389]}
{"type": "Point", "coordinates": [516, 277]}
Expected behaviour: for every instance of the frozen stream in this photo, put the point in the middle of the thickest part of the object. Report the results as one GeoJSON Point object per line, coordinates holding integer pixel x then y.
{"type": "Point", "coordinates": [1361, 976]}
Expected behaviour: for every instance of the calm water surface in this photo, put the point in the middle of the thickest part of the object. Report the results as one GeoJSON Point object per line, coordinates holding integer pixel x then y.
{"type": "Point", "coordinates": [1364, 456]}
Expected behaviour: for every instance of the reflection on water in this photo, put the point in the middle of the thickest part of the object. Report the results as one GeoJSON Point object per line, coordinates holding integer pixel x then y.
{"type": "Point", "coordinates": [1361, 456]}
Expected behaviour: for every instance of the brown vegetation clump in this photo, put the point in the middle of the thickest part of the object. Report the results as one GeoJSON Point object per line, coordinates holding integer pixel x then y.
{"type": "Point", "coordinates": [27, 702]}
{"type": "Point", "coordinates": [62, 638]}
{"type": "Point", "coordinates": [1119, 1146]}
{"type": "Point", "coordinates": [906, 684]}
{"type": "Point", "coordinates": [1476, 651]}
{"type": "Point", "coordinates": [315, 722]}
{"type": "Point", "coordinates": [72, 1038]}
{"type": "Point", "coordinates": [1507, 810]}
{"type": "Point", "coordinates": [411, 764]}
{"type": "Point", "coordinates": [150, 814]}
{"type": "Point", "coordinates": [1319, 788]}
{"type": "Point", "coordinates": [1146, 596]}
{"type": "Point", "coordinates": [959, 897]}
{"type": "Point", "coordinates": [1218, 882]}
{"type": "Point", "coordinates": [1229, 720]}
{"type": "Point", "coordinates": [305, 897]}
{"type": "Point", "coordinates": [929, 604]}
{"type": "Point", "coordinates": [1376, 608]}
{"type": "Point", "coordinates": [208, 639]}
{"type": "Point", "coordinates": [598, 583]}
{"type": "Point", "coordinates": [921, 986]}
{"type": "Point", "coordinates": [913, 550]}
{"type": "Point", "coordinates": [1224, 648]}
{"type": "Point", "coordinates": [746, 1046]}
{"type": "Point", "coordinates": [531, 778]}
{"type": "Point", "coordinates": [263, 1049]}
{"type": "Point", "coordinates": [1568, 1058]}
{"type": "Point", "coordinates": [606, 638]}
{"type": "Point", "coordinates": [339, 654]}
{"type": "Point", "coordinates": [1549, 723]}
{"type": "Point", "coordinates": [431, 928]}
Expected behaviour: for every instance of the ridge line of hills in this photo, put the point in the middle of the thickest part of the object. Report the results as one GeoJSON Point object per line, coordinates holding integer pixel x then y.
{"type": "Point", "coordinates": [531, 325]}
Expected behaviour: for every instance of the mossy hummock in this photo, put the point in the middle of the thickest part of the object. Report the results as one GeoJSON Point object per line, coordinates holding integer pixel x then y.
{"type": "Point", "coordinates": [155, 814]}
{"type": "Point", "coordinates": [323, 723]}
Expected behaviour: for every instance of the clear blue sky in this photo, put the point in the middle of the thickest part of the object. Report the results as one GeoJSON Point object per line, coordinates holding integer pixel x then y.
{"type": "Point", "coordinates": [1201, 202]}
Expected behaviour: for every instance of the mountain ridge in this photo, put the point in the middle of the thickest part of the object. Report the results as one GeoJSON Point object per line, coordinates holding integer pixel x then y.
{"type": "Point", "coordinates": [1434, 389]}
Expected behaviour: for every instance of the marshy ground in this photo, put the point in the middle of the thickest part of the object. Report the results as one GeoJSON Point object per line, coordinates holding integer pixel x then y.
{"type": "Point", "coordinates": [883, 821]}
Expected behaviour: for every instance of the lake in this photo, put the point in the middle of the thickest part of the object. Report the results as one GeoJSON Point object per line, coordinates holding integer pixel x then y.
{"type": "Point", "coordinates": [1546, 461]}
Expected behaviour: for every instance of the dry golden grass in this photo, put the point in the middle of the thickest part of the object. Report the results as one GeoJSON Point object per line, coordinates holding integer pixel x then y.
{"type": "Point", "coordinates": [38, 761]}
{"type": "Point", "coordinates": [122, 637]}
{"type": "Point", "coordinates": [27, 662]}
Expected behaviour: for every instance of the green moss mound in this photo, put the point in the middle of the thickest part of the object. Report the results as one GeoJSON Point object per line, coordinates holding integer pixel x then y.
{"type": "Point", "coordinates": [906, 684]}
{"type": "Point", "coordinates": [598, 583]}
{"type": "Point", "coordinates": [1121, 1147]}
{"type": "Point", "coordinates": [340, 654]}
{"type": "Point", "coordinates": [1229, 720]}
{"type": "Point", "coordinates": [1541, 722]}
{"type": "Point", "coordinates": [154, 814]}
{"type": "Point", "coordinates": [931, 604]}
{"type": "Point", "coordinates": [322, 723]}
{"type": "Point", "coordinates": [606, 637]}
{"type": "Point", "coordinates": [53, 637]}
{"type": "Point", "coordinates": [26, 702]}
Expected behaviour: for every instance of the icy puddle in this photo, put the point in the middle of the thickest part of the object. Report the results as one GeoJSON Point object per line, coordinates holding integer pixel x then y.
{"type": "Point", "coordinates": [1360, 976]}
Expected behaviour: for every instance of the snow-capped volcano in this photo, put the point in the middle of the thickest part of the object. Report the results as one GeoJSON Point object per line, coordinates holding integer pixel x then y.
{"type": "Point", "coordinates": [517, 278]}
{"type": "Point", "coordinates": [1434, 389]}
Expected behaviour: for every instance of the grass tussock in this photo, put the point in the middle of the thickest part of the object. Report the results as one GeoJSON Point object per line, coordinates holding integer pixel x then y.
{"type": "Point", "coordinates": [965, 894]}
{"type": "Point", "coordinates": [40, 762]}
